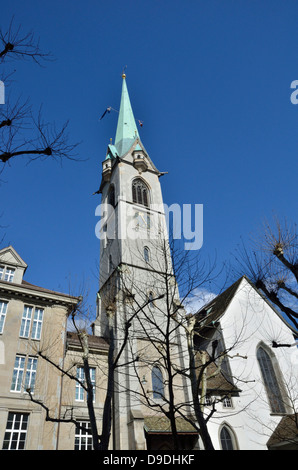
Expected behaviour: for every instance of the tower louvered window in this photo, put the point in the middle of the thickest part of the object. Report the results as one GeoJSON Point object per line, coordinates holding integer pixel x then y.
{"type": "Point", "coordinates": [140, 192]}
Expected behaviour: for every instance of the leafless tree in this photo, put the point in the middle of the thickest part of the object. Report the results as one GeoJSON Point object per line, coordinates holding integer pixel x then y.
{"type": "Point", "coordinates": [167, 335]}
{"type": "Point", "coordinates": [271, 262]}
{"type": "Point", "coordinates": [79, 321]}
{"type": "Point", "coordinates": [21, 133]}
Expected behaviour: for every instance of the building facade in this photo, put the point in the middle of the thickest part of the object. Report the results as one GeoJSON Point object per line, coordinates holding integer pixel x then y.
{"type": "Point", "coordinates": [32, 319]}
{"type": "Point", "coordinates": [256, 396]}
{"type": "Point", "coordinates": [253, 387]}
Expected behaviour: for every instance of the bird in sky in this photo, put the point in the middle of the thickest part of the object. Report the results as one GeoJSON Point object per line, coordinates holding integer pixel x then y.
{"type": "Point", "coordinates": [108, 110]}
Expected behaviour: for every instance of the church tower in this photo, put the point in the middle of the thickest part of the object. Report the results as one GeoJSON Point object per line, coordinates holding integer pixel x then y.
{"type": "Point", "coordinates": [137, 289]}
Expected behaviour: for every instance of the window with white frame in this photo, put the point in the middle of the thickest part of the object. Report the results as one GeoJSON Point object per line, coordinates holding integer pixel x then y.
{"type": "Point", "coordinates": [24, 373]}
{"type": "Point", "coordinates": [30, 377]}
{"type": "Point", "coordinates": [37, 323]}
{"type": "Point", "coordinates": [26, 322]}
{"type": "Point", "coordinates": [208, 400]}
{"type": "Point", "coordinates": [227, 402]}
{"type": "Point", "coordinates": [16, 431]}
{"type": "Point", "coordinates": [79, 387]}
{"type": "Point", "coordinates": [3, 310]}
{"type": "Point", "coordinates": [31, 322]}
{"type": "Point", "coordinates": [9, 274]}
{"type": "Point", "coordinates": [80, 390]}
{"type": "Point", "coordinates": [18, 373]}
{"type": "Point", "coordinates": [6, 273]}
{"type": "Point", "coordinates": [83, 436]}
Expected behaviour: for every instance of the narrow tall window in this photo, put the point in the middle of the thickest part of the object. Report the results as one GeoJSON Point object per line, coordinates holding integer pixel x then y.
{"type": "Point", "coordinates": [226, 439]}
{"type": "Point", "coordinates": [30, 376]}
{"type": "Point", "coordinates": [270, 381]}
{"type": "Point", "coordinates": [3, 310]}
{"type": "Point", "coordinates": [111, 196]}
{"type": "Point", "coordinates": [140, 192]}
{"type": "Point", "coordinates": [146, 254]}
{"type": "Point", "coordinates": [150, 299]}
{"type": "Point", "coordinates": [80, 391]}
{"type": "Point", "coordinates": [110, 263]}
{"type": "Point", "coordinates": [37, 324]}
{"type": "Point", "coordinates": [26, 322]}
{"type": "Point", "coordinates": [16, 431]}
{"type": "Point", "coordinates": [79, 387]}
{"type": "Point", "coordinates": [157, 383]}
{"type": "Point", "coordinates": [18, 373]}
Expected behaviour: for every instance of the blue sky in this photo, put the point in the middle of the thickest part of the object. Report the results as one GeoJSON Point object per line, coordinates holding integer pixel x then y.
{"type": "Point", "coordinates": [211, 82]}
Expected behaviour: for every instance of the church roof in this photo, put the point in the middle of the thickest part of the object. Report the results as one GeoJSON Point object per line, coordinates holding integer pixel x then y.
{"type": "Point", "coordinates": [214, 310]}
{"type": "Point", "coordinates": [127, 131]}
{"type": "Point", "coordinates": [161, 424]}
{"type": "Point", "coordinates": [285, 433]}
{"type": "Point", "coordinates": [216, 307]}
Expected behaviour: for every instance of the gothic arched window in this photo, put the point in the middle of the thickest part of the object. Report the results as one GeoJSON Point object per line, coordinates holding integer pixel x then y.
{"type": "Point", "coordinates": [140, 193]}
{"type": "Point", "coordinates": [227, 439]}
{"type": "Point", "coordinates": [157, 383]}
{"type": "Point", "coordinates": [270, 381]}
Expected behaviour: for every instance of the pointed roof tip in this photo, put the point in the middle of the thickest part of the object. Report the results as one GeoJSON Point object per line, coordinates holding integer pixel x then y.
{"type": "Point", "coordinates": [127, 130]}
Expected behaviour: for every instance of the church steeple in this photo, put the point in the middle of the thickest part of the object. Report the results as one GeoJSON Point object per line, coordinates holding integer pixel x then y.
{"type": "Point", "coordinates": [127, 131]}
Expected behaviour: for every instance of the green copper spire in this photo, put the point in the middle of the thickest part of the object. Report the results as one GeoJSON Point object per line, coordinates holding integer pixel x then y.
{"type": "Point", "coordinates": [127, 131]}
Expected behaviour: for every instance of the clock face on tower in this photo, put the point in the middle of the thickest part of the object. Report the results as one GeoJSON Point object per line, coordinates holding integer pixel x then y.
{"type": "Point", "coordinates": [142, 220]}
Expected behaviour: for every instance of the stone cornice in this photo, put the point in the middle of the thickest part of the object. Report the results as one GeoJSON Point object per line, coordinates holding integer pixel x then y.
{"type": "Point", "coordinates": [28, 291]}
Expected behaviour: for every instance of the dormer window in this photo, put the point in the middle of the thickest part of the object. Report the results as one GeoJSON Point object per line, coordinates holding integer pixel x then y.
{"type": "Point", "coordinates": [6, 273]}
{"type": "Point", "coordinates": [140, 193]}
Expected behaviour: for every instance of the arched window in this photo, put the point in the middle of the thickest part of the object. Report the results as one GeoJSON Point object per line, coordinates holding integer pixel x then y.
{"type": "Point", "coordinates": [140, 194]}
{"type": "Point", "coordinates": [227, 439]}
{"type": "Point", "coordinates": [111, 196]}
{"type": "Point", "coordinates": [270, 381]}
{"type": "Point", "coordinates": [157, 383]}
{"type": "Point", "coordinates": [146, 254]}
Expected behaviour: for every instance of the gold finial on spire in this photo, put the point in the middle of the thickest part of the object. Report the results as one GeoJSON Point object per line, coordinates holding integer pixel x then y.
{"type": "Point", "coordinates": [123, 73]}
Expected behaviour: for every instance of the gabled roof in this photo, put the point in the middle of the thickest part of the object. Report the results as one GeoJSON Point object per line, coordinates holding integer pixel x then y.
{"type": "Point", "coordinates": [217, 306]}
{"type": "Point", "coordinates": [213, 311]}
{"type": "Point", "coordinates": [10, 256]}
